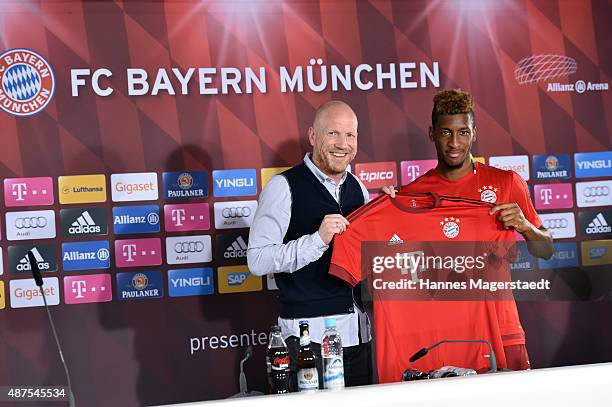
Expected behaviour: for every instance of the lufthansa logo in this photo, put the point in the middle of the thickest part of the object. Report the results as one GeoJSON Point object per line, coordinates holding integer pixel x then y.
{"type": "Point", "coordinates": [236, 212]}
{"type": "Point", "coordinates": [557, 223]}
{"type": "Point", "coordinates": [189, 247]}
{"type": "Point", "coordinates": [31, 223]}
{"type": "Point", "coordinates": [592, 192]}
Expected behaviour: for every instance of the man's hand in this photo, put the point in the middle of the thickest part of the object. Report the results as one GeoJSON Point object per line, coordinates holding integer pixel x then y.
{"type": "Point", "coordinates": [389, 190]}
{"type": "Point", "coordinates": [511, 216]}
{"type": "Point", "coordinates": [332, 224]}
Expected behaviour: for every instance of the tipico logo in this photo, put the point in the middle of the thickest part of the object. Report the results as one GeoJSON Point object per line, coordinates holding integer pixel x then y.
{"type": "Point", "coordinates": [27, 82]}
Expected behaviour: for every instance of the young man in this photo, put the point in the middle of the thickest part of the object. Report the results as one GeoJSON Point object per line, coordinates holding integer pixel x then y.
{"type": "Point", "coordinates": [299, 213]}
{"type": "Point", "coordinates": [453, 132]}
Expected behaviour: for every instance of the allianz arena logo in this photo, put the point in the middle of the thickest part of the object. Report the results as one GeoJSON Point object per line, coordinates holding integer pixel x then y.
{"type": "Point", "coordinates": [27, 82]}
{"type": "Point", "coordinates": [548, 67]}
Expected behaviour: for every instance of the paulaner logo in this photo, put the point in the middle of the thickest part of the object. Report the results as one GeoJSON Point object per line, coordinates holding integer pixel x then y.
{"type": "Point", "coordinates": [27, 82]}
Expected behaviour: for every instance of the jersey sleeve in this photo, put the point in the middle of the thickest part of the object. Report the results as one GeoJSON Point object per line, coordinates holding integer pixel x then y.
{"type": "Point", "coordinates": [520, 195]}
{"type": "Point", "coordinates": [346, 256]}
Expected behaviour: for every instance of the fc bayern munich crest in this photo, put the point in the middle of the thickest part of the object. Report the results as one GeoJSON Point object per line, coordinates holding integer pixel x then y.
{"type": "Point", "coordinates": [27, 82]}
{"type": "Point", "coordinates": [488, 194]}
{"type": "Point", "coordinates": [450, 227]}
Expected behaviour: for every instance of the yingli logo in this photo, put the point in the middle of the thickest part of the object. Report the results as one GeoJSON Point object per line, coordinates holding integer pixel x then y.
{"type": "Point", "coordinates": [377, 175]}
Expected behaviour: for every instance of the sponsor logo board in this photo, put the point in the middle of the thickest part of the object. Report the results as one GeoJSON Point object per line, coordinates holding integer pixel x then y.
{"type": "Point", "coordinates": [29, 225]}
{"type": "Point", "coordinates": [28, 191]}
{"type": "Point", "coordinates": [596, 223]}
{"type": "Point", "coordinates": [45, 255]}
{"type": "Point", "coordinates": [516, 163]}
{"type": "Point", "coordinates": [189, 282]}
{"type": "Point", "coordinates": [560, 225]}
{"type": "Point", "coordinates": [84, 222]}
{"type": "Point", "coordinates": [185, 185]}
{"type": "Point", "coordinates": [234, 279]}
{"type": "Point", "coordinates": [267, 173]}
{"type": "Point", "coordinates": [565, 255]}
{"type": "Point", "coordinates": [596, 252]}
{"type": "Point", "coordinates": [411, 170]}
{"type": "Point", "coordinates": [91, 255]}
{"type": "Point", "coordinates": [553, 196]}
{"type": "Point", "coordinates": [135, 186]}
{"type": "Point", "coordinates": [551, 166]}
{"type": "Point", "coordinates": [227, 183]}
{"type": "Point", "coordinates": [234, 214]}
{"type": "Point", "coordinates": [25, 293]}
{"type": "Point", "coordinates": [140, 285]}
{"type": "Point", "coordinates": [232, 249]}
{"type": "Point", "coordinates": [188, 249]}
{"type": "Point", "coordinates": [136, 219]}
{"type": "Point", "coordinates": [76, 189]}
{"type": "Point", "coordinates": [186, 217]}
{"type": "Point", "coordinates": [377, 175]}
{"type": "Point", "coordinates": [88, 288]}
{"type": "Point", "coordinates": [595, 193]}
{"type": "Point", "coordinates": [592, 165]}
{"type": "Point", "coordinates": [138, 252]}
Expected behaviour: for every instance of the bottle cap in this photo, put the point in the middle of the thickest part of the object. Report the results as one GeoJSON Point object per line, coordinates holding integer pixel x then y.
{"type": "Point", "coordinates": [330, 322]}
{"type": "Point", "coordinates": [275, 328]}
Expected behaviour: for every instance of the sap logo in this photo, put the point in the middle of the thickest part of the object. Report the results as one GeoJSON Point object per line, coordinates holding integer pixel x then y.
{"type": "Point", "coordinates": [228, 183]}
{"type": "Point", "coordinates": [236, 279]}
{"type": "Point", "coordinates": [597, 252]}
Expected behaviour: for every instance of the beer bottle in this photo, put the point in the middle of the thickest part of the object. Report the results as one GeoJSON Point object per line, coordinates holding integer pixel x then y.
{"type": "Point", "coordinates": [308, 376]}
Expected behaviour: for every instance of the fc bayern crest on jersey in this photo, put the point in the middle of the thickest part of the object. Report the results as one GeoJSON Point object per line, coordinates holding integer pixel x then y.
{"type": "Point", "coordinates": [450, 227]}
{"type": "Point", "coordinates": [488, 193]}
{"type": "Point", "coordinates": [27, 82]}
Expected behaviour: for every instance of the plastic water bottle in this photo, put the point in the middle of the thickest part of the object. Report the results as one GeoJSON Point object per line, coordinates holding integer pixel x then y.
{"type": "Point", "coordinates": [331, 353]}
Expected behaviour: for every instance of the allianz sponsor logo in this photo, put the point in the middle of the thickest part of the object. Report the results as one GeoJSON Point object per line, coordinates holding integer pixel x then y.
{"type": "Point", "coordinates": [72, 255]}
{"type": "Point", "coordinates": [30, 225]}
{"type": "Point", "coordinates": [579, 86]}
{"type": "Point", "coordinates": [188, 249]}
{"type": "Point", "coordinates": [85, 255]}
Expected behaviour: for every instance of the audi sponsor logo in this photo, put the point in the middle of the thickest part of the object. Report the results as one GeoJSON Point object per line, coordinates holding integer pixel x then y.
{"type": "Point", "coordinates": [30, 225]}
{"type": "Point", "coordinates": [560, 225]}
{"type": "Point", "coordinates": [596, 193]}
{"type": "Point", "coordinates": [234, 214]}
{"type": "Point", "coordinates": [31, 222]}
{"type": "Point", "coordinates": [188, 249]}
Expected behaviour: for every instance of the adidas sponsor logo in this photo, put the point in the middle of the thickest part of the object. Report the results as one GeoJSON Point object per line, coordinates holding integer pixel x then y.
{"type": "Point", "coordinates": [237, 249]}
{"type": "Point", "coordinates": [395, 239]}
{"type": "Point", "coordinates": [598, 225]}
{"type": "Point", "coordinates": [84, 225]}
{"type": "Point", "coordinates": [24, 263]}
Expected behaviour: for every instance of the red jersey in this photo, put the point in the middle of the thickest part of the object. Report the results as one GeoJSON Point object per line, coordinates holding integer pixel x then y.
{"type": "Point", "coordinates": [496, 186]}
{"type": "Point", "coordinates": [487, 184]}
{"type": "Point", "coordinates": [403, 327]}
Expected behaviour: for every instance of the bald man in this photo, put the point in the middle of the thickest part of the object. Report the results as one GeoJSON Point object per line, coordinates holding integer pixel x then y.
{"type": "Point", "coordinates": [299, 213]}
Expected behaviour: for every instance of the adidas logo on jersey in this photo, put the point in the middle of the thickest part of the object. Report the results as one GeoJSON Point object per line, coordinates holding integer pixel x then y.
{"type": "Point", "coordinates": [84, 225]}
{"type": "Point", "coordinates": [24, 263]}
{"type": "Point", "coordinates": [237, 249]}
{"type": "Point", "coordinates": [598, 225]}
{"type": "Point", "coordinates": [450, 227]}
{"type": "Point", "coordinates": [395, 239]}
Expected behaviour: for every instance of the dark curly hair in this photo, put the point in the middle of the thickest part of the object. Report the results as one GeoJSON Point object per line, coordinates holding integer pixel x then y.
{"type": "Point", "coordinates": [452, 101]}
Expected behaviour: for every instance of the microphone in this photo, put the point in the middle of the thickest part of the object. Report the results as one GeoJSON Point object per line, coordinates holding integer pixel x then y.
{"type": "Point", "coordinates": [242, 380]}
{"type": "Point", "coordinates": [492, 360]}
{"type": "Point", "coordinates": [39, 282]}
